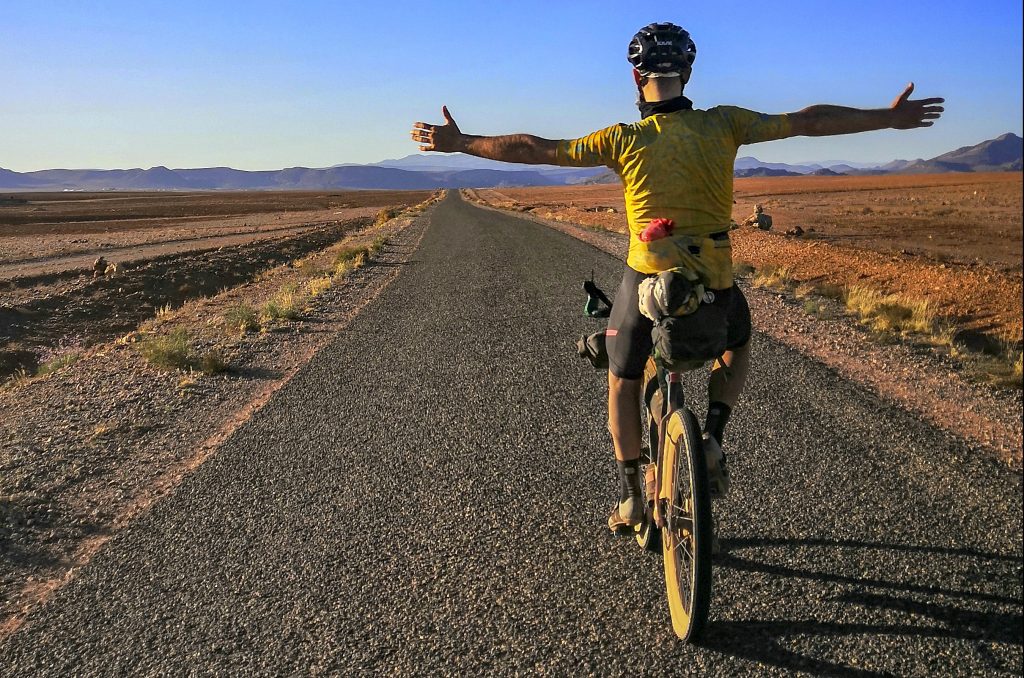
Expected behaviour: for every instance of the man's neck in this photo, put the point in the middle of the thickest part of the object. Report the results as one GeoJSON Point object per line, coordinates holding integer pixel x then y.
{"type": "Point", "coordinates": [662, 89]}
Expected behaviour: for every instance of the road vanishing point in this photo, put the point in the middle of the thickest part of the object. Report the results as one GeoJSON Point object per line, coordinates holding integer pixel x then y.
{"type": "Point", "coordinates": [428, 496]}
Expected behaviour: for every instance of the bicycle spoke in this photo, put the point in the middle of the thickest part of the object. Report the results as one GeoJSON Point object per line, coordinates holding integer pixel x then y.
{"type": "Point", "coordinates": [684, 545]}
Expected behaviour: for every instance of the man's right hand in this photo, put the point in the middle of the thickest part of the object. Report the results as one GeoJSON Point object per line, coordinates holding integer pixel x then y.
{"type": "Point", "coordinates": [446, 138]}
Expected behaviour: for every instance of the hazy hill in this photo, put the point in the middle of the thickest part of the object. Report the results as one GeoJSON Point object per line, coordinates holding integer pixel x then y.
{"type": "Point", "coordinates": [746, 163]}
{"type": "Point", "coordinates": [1001, 154]}
{"type": "Point", "coordinates": [766, 172]}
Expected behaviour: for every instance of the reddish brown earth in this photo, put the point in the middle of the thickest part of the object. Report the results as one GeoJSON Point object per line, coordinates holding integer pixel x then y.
{"type": "Point", "coordinates": [170, 247]}
{"type": "Point", "coordinates": [954, 239]}
{"type": "Point", "coordinates": [54, 232]}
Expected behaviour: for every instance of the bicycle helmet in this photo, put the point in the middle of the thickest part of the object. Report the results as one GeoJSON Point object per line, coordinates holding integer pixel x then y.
{"type": "Point", "coordinates": [662, 50]}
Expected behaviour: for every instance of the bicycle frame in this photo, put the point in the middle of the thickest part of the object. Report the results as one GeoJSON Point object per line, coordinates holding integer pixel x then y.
{"type": "Point", "coordinates": [670, 384]}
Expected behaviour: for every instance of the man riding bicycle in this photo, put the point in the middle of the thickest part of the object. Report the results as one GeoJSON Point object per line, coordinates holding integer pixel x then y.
{"type": "Point", "coordinates": [676, 166]}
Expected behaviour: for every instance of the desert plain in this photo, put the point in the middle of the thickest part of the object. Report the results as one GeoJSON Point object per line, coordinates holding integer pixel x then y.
{"type": "Point", "coordinates": [166, 248]}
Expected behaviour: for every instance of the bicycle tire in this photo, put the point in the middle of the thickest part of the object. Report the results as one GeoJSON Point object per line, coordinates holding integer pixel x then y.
{"type": "Point", "coordinates": [687, 534]}
{"type": "Point", "coordinates": [647, 534]}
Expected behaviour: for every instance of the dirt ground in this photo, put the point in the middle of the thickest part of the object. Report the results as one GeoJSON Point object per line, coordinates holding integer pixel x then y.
{"type": "Point", "coordinates": [171, 247]}
{"type": "Point", "coordinates": [954, 239]}
{"type": "Point", "coordinates": [40, 235]}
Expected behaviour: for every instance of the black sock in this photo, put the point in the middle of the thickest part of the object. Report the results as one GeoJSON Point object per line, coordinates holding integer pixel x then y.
{"type": "Point", "coordinates": [629, 479]}
{"type": "Point", "coordinates": [718, 417]}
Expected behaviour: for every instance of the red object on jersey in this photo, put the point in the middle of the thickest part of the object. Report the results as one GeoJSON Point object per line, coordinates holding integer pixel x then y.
{"type": "Point", "coordinates": [657, 229]}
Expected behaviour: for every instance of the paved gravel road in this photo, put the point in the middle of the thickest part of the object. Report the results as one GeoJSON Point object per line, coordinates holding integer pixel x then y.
{"type": "Point", "coordinates": [429, 496]}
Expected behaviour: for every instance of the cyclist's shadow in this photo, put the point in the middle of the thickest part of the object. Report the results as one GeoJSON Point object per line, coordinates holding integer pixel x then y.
{"type": "Point", "coordinates": [942, 593]}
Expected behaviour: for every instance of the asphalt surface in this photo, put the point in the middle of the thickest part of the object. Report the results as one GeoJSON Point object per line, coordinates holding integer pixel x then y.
{"type": "Point", "coordinates": [429, 496]}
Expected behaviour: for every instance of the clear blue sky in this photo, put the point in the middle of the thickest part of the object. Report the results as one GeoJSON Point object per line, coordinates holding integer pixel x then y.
{"type": "Point", "coordinates": [265, 85]}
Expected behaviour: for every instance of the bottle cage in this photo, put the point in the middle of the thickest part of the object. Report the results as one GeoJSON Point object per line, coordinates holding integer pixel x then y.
{"type": "Point", "coordinates": [598, 305]}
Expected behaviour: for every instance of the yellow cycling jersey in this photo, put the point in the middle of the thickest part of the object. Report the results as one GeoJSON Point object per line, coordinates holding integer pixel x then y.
{"type": "Point", "coordinates": [678, 166]}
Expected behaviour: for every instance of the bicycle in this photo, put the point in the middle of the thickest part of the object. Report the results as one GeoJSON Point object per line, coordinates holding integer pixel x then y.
{"type": "Point", "coordinates": [677, 519]}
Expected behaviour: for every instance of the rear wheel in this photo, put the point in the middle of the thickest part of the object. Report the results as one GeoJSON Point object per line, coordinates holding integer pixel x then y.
{"type": "Point", "coordinates": [687, 535]}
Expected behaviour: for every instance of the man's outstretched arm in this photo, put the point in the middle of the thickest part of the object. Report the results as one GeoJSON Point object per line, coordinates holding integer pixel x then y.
{"type": "Point", "coordinates": [448, 138]}
{"type": "Point", "coordinates": [904, 113]}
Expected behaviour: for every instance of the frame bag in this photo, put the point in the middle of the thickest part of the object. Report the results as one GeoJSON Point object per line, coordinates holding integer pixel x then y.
{"type": "Point", "coordinates": [689, 329]}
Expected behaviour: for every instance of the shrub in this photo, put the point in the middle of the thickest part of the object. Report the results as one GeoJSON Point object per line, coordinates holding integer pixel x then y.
{"type": "Point", "coordinates": [169, 351]}
{"type": "Point", "coordinates": [318, 285]}
{"type": "Point", "coordinates": [242, 318]}
{"type": "Point", "coordinates": [741, 269]}
{"type": "Point", "coordinates": [57, 363]}
{"type": "Point", "coordinates": [213, 362]}
{"type": "Point", "coordinates": [890, 313]}
{"type": "Point", "coordinates": [284, 305]}
{"type": "Point", "coordinates": [772, 277]}
{"type": "Point", "coordinates": [349, 260]}
{"type": "Point", "coordinates": [385, 215]}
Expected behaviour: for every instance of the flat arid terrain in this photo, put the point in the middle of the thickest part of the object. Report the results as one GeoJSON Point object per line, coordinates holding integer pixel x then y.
{"type": "Point", "coordinates": [48, 232]}
{"type": "Point", "coordinates": [951, 239]}
{"type": "Point", "coordinates": [165, 249]}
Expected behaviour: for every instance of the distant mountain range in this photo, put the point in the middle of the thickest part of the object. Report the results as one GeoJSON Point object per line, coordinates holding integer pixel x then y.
{"type": "Point", "coordinates": [1002, 154]}
{"type": "Point", "coordinates": [456, 170]}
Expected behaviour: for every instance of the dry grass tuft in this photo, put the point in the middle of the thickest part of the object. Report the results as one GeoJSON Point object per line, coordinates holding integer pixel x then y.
{"type": "Point", "coordinates": [805, 290]}
{"type": "Point", "coordinates": [213, 362]}
{"type": "Point", "coordinates": [773, 277]}
{"type": "Point", "coordinates": [101, 430]}
{"type": "Point", "coordinates": [742, 269]}
{"type": "Point", "coordinates": [164, 312]}
{"type": "Point", "coordinates": [377, 245]}
{"type": "Point", "coordinates": [890, 313]}
{"type": "Point", "coordinates": [168, 351]}
{"type": "Point", "coordinates": [57, 364]}
{"type": "Point", "coordinates": [318, 285]}
{"type": "Point", "coordinates": [1004, 370]}
{"type": "Point", "coordinates": [19, 378]}
{"type": "Point", "coordinates": [385, 215]}
{"type": "Point", "coordinates": [837, 292]}
{"type": "Point", "coordinates": [310, 269]}
{"type": "Point", "coordinates": [349, 259]}
{"type": "Point", "coordinates": [285, 305]}
{"type": "Point", "coordinates": [817, 308]}
{"type": "Point", "coordinates": [241, 318]}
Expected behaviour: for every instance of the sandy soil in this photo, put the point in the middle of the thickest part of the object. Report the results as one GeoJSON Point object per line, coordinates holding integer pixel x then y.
{"type": "Point", "coordinates": [954, 239]}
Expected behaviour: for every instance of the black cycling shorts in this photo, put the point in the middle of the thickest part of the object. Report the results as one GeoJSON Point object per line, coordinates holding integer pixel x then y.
{"type": "Point", "coordinates": [629, 332]}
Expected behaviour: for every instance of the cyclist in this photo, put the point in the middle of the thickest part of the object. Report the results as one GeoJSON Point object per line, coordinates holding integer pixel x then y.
{"type": "Point", "coordinates": [676, 164]}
